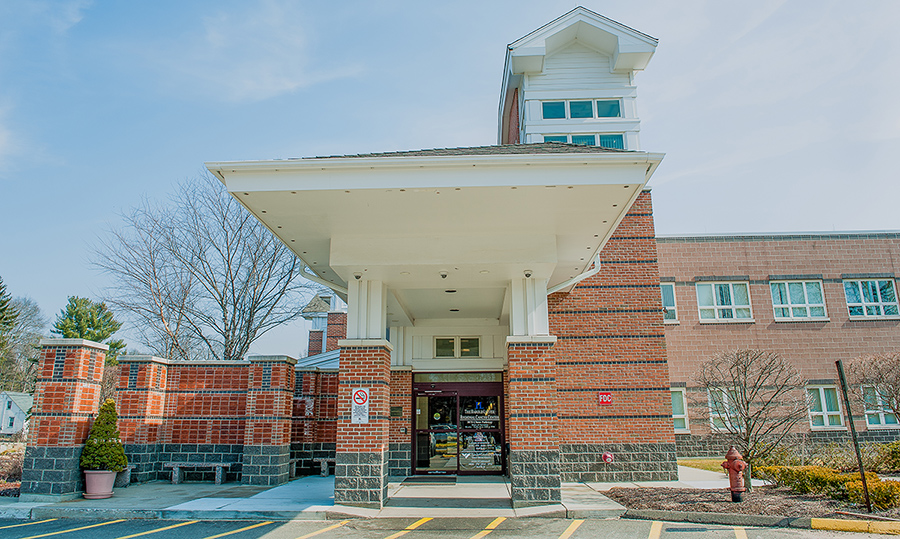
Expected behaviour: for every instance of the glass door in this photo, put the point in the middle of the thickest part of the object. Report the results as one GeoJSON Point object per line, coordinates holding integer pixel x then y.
{"type": "Point", "coordinates": [481, 448]}
{"type": "Point", "coordinates": [437, 432]}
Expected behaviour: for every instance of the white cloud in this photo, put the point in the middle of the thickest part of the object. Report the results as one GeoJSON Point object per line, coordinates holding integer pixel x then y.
{"type": "Point", "coordinates": [251, 55]}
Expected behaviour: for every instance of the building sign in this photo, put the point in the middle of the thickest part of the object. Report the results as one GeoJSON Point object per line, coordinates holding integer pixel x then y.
{"type": "Point", "coordinates": [359, 406]}
{"type": "Point", "coordinates": [479, 413]}
{"type": "Point", "coordinates": [605, 397]}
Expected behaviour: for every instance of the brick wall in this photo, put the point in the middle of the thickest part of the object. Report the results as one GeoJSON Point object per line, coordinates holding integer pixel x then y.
{"type": "Point", "coordinates": [400, 448]}
{"type": "Point", "coordinates": [812, 347]}
{"type": "Point", "coordinates": [315, 342]}
{"type": "Point", "coordinates": [611, 340]}
{"type": "Point", "coordinates": [314, 418]}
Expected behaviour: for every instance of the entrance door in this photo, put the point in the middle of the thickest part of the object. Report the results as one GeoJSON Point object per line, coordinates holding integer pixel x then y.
{"type": "Point", "coordinates": [458, 429]}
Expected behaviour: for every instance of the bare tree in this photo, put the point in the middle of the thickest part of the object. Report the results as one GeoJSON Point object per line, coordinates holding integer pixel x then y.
{"type": "Point", "coordinates": [20, 355]}
{"type": "Point", "coordinates": [753, 397]}
{"type": "Point", "coordinates": [201, 277]}
{"type": "Point", "coordinates": [878, 378]}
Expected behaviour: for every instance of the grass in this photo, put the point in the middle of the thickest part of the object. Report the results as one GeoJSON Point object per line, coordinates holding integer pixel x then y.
{"type": "Point", "coordinates": [711, 465]}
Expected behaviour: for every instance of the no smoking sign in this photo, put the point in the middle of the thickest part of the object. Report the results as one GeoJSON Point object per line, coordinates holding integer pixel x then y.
{"type": "Point", "coordinates": [359, 406]}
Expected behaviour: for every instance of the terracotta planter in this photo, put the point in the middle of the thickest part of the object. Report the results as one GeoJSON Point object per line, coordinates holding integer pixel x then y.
{"type": "Point", "coordinates": [98, 484]}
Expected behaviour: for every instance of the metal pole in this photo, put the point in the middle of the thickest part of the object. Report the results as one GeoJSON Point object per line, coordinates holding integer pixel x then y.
{"type": "Point", "coordinates": [862, 471]}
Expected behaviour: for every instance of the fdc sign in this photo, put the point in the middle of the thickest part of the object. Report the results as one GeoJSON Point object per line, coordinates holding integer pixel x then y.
{"type": "Point", "coordinates": [359, 405]}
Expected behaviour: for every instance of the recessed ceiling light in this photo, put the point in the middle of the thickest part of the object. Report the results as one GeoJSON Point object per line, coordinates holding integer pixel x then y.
{"type": "Point", "coordinates": [264, 211]}
{"type": "Point", "coordinates": [450, 291]}
{"type": "Point", "coordinates": [292, 241]}
{"type": "Point", "coordinates": [625, 186]}
{"type": "Point", "coordinates": [246, 194]}
{"type": "Point", "coordinates": [279, 226]}
{"type": "Point", "coordinates": [598, 235]}
{"type": "Point", "coordinates": [615, 205]}
{"type": "Point", "coordinates": [404, 273]}
{"type": "Point", "coordinates": [484, 272]}
{"type": "Point", "coordinates": [454, 310]}
{"type": "Point", "coordinates": [293, 192]}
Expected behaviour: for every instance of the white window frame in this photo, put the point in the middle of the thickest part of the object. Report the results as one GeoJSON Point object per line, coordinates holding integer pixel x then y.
{"type": "Point", "coordinates": [865, 306]}
{"type": "Point", "coordinates": [826, 414]}
{"type": "Point", "coordinates": [687, 424]}
{"type": "Point", "coordinates": [715, 414]}
{"type": "Point", "coordinates": [667, 309]}
{"type": "Point", "coordinates": [716, 308]}
{"type": "Point", "coordinates": [791, 306]}
{"type": "Point", "coordinates": [12, 422]}
{"type": "Point", "coordinates": [456, 346]}
{"type": "Point", "coordinates": [878, 412]}
{"type": "Point", "coordinates": [596, 136]}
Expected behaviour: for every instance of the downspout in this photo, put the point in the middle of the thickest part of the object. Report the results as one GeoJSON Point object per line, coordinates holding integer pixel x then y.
{"type": "Point", "coordinates": [578, 278]}
{"type": "Point", "coordinates": [318, 280]}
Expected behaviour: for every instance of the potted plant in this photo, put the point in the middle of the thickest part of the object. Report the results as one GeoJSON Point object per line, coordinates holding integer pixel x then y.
{"type": "Point", "coordinates": [103, 455]}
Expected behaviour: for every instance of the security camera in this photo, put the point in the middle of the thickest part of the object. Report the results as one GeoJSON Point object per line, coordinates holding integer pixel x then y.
{"type": "Point", "coordinates": [443, 275]}
{"type": "Point", "coordinates": [527, 274]}
{"type": "Point", "coordinates": [357, 276]}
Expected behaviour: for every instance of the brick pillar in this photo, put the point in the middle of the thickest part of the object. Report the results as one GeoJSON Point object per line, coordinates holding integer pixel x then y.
{"type": "Point", "coordinates": [315, 342]}
{"type": "Point", "coordinates": [141, 401]}
{"type": "Point", "coordinates": [65, 404]}
{"type": "Point", "coordinates": [361, 468]}
{"type": "Point", "coordinates": [267, 431]}
{"type": "Point", "coordinates": [533, 430]}
{"type": "Point", "coordinates": [336, 330]}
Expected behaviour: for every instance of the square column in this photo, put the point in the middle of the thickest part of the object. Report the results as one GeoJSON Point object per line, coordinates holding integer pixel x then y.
{"type": "Point", "coordinates": [66, 400]}
{"type": "Point", "coordinates": [532, 426]}
{"type": "Point", "coordinates": [361, 465]}
{"type": "Point", "coordinates": [141, 402]}
{"type": "Point", "coordinates": [267, 430]}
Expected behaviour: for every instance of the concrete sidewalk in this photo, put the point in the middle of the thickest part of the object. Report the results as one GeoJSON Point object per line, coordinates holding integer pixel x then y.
{"type": "Point", "coordinates": [312, 497]}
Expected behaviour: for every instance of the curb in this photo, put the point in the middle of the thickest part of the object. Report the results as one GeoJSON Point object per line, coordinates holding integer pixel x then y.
{"type": "Point", "coordinates": [866, 526]}
{"type": "Point", "coordinates": [729, 519]}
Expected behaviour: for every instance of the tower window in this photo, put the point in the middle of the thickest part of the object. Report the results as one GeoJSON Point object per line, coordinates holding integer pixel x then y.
{"type": "Point", "coordinates": [608, 109]}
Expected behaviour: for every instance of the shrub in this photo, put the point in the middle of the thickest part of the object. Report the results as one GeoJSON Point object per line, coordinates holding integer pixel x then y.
{"type": "Point", "coordinates": [889, 456]}
{"type": "Point", "coordinates": [103, 449]}
{"type": "Point", "coordinates": [882, 494]}
{"type": "Point", "coordinates": [11, 465]}
{"type": "Point", "coordinates": [812, 479]}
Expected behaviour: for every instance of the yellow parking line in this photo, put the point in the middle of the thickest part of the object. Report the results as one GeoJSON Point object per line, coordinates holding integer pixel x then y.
{"type": "Point", "coordinates": [740, 533]}
{"type": "Point", "coordinates": [323, 530]}
{"type": "Point", "coordinates": [239, 530]}
{"type": "Point", "coordinates": [655, 530]}
{"type": "Point", "coordinates": [409, 528]}
{"type": "Point", "coordinates": [158, 529]}
{"type": "Point", "coordinates": [27, 524]}
{"type": "Point", "coordinates": [489, 528]}
{"type": "Point", "coordinates": [74, 529]}
{"type": "Point", "coordinates": [571, 529]}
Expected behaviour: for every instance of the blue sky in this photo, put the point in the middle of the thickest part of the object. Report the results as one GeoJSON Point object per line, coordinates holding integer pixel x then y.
{"type": "Point", "coordinates": [774, 115]}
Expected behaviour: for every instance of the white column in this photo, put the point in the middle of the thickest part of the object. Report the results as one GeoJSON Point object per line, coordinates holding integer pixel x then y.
{"type": "Point", "coordinates": [528, 307]}
{"type": "Point", "coordinates": [366, 309]}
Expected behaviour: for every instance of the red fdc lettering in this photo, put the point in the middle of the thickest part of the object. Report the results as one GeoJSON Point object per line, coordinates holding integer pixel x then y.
{"type": "Point", "coordinates": [605, 397]}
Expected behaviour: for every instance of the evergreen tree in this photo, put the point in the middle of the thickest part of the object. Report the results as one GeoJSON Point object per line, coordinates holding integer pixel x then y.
{"type": "Point", "coordinates": [85, 319]}
{"type": "Point", "coordinates": [103, 449]}
{"type": "Point", "coordinates": [8, 314]}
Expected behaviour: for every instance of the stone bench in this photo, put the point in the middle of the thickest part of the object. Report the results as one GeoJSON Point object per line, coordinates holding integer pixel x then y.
{"type": "Point", "coordinates": [292, 467]}
{"type": "Point", "coordinates": [324, 461]}
{"type": "Point", "coordinates": [177, 469]}
{"type": "Point", "coordinates": [123, 478]}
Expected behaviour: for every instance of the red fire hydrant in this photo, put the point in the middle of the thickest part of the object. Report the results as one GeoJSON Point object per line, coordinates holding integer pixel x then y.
{"type": "Point", "coordinates": [735, 468]}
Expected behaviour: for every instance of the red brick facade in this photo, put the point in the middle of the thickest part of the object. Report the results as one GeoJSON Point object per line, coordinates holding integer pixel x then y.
{"type": "Point", "coordinates": [337, 329]}
{"type": "Point", "coordinates": [315, 342]}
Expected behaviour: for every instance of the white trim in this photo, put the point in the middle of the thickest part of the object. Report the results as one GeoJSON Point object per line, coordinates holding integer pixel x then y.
{"type": "Point", "coordinates": [365, 343]}
{"type": "Point", "coordinates": [75, 342]}
{"type": "Point", "coordinates": [531, 339]}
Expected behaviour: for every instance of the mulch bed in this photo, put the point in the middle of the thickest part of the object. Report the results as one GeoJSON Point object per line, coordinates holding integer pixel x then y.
{"type": "Point", "coordinates": [763, 500]}
{"type": "Point", "coordinates": [10, 489]}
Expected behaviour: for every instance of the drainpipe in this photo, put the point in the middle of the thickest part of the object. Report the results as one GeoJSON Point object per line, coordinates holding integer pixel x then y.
{"type": "Point", "coordinates": [578, 278]}
{"type": "Point", "coordinates": [316, 279]}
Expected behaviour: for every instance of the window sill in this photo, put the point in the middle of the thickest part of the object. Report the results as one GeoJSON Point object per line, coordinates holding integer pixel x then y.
{"type": "Point", "coordinates": [728, 321]}
{"type": "Point", "coordinates": [882, 427]}
{"type": "Point", "coordinates": [827, 429]}
{"type": "Point", "coordinates": [803, 320]}
{"type": "Point", "coordinates": [872, 318]}
{"type": "Point", "coordinates": [671, 322]}
{"type": "Point", "coordinates": [682, 431]}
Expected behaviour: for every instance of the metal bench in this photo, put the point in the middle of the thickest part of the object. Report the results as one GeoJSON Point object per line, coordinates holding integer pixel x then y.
{"type": "Point", "coordinates": [324, 461]}
{"type": "Point", "coordinates": [177, 469]}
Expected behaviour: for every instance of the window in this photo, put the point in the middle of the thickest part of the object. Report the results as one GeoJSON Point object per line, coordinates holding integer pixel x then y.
{"type": "Point", "coordinates": [679, 409]}
{"type": "Point", "coordinates": [723, 301]}
{"type": "Point", "coordinates": [606, 141]}
{"type": "Point", "coordinates": [722, 414]}
{"type": "Point", "coordinates": [553, 110]}
{"type": "Point", "coordinates": [797, 299]}
{"type": "Point", "coordinates": [9, 405]}
{"type": "Point", "coordinates": [454, 347]}
{"type": "Point", "coordinates": [608, 108]}
{"type": "Point", "coordinates": [824, 407]}
{"type": "Point", "coordinates": [670, 314]}
{"type": "Point", "coordinates": [12, 422]}
{"type": "Point", "coordinates": [561, 110]}
{"type": "Point", "coordinates": [871, 298]}
{"type": "Point", "coordinates": [876, 414]}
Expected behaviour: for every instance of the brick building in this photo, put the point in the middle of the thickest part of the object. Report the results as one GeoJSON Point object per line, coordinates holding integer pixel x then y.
{"type": "Point", "coordinates": [503, 309]}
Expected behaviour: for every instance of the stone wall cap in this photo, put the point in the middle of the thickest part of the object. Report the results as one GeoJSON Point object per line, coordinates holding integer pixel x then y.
{"type": "Point", "coordinates": [274, 359]}
{"type": "Point", "coordinates": [143, 358]}
{"type": "Point", "coordinates": [310, 368]}
{"type": "Point", "coordinates": [531, 339]}
{"type": "Point", "coordinates": [137, 358]}
{"type": "Point", "coordinates": [366, 343]}
{"type": "Point", "coordinates": [75, 342]}
{"type": "Point", "coordinates": [401, 367]}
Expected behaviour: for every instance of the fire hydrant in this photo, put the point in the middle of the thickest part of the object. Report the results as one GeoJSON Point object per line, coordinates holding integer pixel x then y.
{"type": "Point", "coordinates": [735, 467]}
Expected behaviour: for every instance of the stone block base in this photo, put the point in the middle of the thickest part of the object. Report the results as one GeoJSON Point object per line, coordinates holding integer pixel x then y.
{"type": "Point", "coordinates": [400, 460]}
{"type": "Point", "coordinates": [360, 479]}
{"type": "Point", "coordinates": [305, 452]}
{"type": "Point", "coordinates": [534, 477]}
{"type": "Point", "coordinates": [631, 462]}
{"type": "Point", "coordinates": [51, 474]}
{"type": "Point", "coordinates": [266, 465]}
